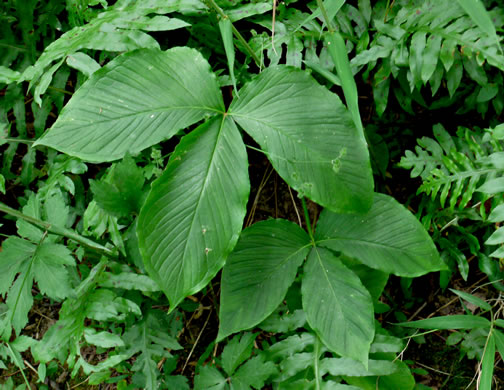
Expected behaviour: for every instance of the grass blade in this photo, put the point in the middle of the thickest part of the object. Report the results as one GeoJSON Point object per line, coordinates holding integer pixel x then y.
{"type": "Point", "coordinates": [338, 52]}
{"type": "Point", "coordinates": [449, 322]}
{"type": "Point", "coordinates": [226, 30]}
{"type": "Point", "coordinates": [472, 299]}
{"type": "Point", "coordinates": [487, 364]}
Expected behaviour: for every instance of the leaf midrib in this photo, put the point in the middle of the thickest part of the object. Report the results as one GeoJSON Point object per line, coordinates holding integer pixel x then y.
{"type": "Point", "coordinates": [361, 241]}
{"type": "Point", "coordinates": [289, 136]}
{"type": "Point", "coordinates": [203, 190]}
{"type": "Point", "coordinates": [160, 109]}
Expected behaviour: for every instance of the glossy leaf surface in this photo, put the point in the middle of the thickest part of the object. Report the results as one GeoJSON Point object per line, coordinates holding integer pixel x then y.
{"type": "Point", "coordinates": [388, 238]}
{"type": "Point", "coordinates": [337, 305]}
{"type": "Point", "coordinates": [259, 271]}
{"type": "Point", "coordinates": [136, 101]}
{"type": "Point", "coordinates": [193, 216]}
{"type": "Point", "coordinates": [309, 137]}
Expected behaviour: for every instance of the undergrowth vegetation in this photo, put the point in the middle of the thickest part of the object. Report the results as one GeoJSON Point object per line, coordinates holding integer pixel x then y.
{"type": "Point", "coordinates": [224, 194]}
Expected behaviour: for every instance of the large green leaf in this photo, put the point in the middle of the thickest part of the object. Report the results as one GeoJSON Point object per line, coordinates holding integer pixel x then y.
{"type": "Point", "coordinates": [193, 216]}
{"type": "Point", "coordinates": [338, 307]}
{"type": "Point", "coordinates": [136, 101]}
{"type": "Point", "coordinates": [388, 238]}
{"type": "Point", "coordinates": [309, 137]}
{"type": "Point", "coordinates": [259, 271]}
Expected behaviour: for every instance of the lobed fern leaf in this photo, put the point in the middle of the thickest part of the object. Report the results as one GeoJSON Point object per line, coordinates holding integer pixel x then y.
{"type": "Point", "coordinates": [432, 41]}
{"type": "Point", "coordinates": [428, 156]}
{"type": "Point", "coordinates": [455, 167]}
{"type": "Point", "coordinates": [150, 340]}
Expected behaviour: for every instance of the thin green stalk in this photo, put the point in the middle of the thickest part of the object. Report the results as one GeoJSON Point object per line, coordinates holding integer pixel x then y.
{"type": "Point", "coordinates": [326, 16]}
{"type": "Point", "coordinates": [18, 364]}
{"type": "Point", "coordinates": [307, 219]}
{"type": "Point", "coordinates": [18, 140]}
{"type": "Point", "coordinates": [10, 46]}
{"type": "Point", "coordinates": [236, 33]}
{"type": "Point", "coordinates": [59, 231]}
{"type": "Point", "coordinates": [316, 353]}
{"type": "Point", "coordinates": [60, 90]}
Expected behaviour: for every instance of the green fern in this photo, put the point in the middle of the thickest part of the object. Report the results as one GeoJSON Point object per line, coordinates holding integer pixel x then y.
{"type": "Point", "coordinates": [456, 167]}
{"type": "Point", "coordinates": [428, 42]}
{"type": "Point", "coordinates": [151, 341]}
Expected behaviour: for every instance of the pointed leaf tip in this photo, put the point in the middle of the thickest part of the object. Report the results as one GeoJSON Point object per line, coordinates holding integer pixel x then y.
{"type": "Point", "coordinates": [137, 100]}
{"type": "Point", "coordinates": [193, 215]}
{"type": "Point", "coordinates": [388, 238]}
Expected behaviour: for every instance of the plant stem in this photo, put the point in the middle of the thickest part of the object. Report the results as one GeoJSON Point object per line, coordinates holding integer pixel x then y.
{"type": "Point", "coordinates": [316, 353]}
{"type": "Point", "coordinates": [307, 219]}
{"type": "Point", "coordinates": [18, 140]}
{"type": "Point", "coordinates": [326, 16]}
{"type": "Point", "coordinates": [60, 90]}
{"type": "Point", "coordinates": [59, 231]}
{"type": "Point", "coordinates": [12, 46]}
{"type": "Point", "coordinates": [18, 364]}
{"type": "Point", "coordinates": [236, 33]}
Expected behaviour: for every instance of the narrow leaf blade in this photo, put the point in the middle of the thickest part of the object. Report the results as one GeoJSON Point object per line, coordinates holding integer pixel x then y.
{"type": "Point", "coordinates": [472, 299]}
{"type": "Point", "coordinates": [487, 364]}
{"type": "Point", "coordinates": [477, 12]}
{"type": "Point", "coordinates": [225, 27]}
{"type": "Point", "coordinates": [449, 322]}
{"type": "Point", "coordinates": [338, 52]}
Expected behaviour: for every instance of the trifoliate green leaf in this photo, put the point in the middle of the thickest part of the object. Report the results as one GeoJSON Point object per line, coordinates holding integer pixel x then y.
{"type": "Point", "coordinates": [46, 263]}
{"type": "Point", "coordinates": [50, 272]}
{"type": "Point", "coordinates": [253, 373]}
{"type": "Point", "coordinates": [102, 339]}
{"type": "Point", "coordinates": [209, 378]}
{"type": "Point", "coordinates": [237, 351]}
{"type": "Point", "coordinates": [120, 193]}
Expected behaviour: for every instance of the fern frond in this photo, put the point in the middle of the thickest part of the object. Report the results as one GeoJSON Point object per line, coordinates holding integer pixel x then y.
{"type": "Point", "coordinates": [431, 41]}
{"type": "Point", "coordinates": [442, 27]}
{"type": "Point", "coordinates": [427, 157]}
{"type": "Point", "coordinates": [453, 168]}
{"type": "Point", "coordinates": [461, 181]}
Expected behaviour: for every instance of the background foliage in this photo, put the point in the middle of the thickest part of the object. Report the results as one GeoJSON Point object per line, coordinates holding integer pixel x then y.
{"type": "Point", "coordinates": [157, 158]}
